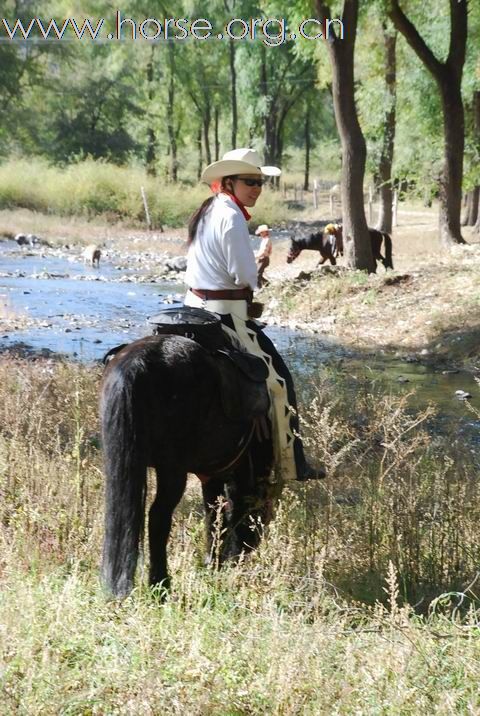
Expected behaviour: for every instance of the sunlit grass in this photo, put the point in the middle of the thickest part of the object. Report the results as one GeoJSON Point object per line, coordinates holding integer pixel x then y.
{"type": "Point", "coordinates": [98, 189]}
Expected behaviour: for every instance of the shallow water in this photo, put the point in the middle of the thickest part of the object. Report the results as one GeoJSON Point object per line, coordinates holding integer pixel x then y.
{"type": "Point", "coordinates": [83, 312]}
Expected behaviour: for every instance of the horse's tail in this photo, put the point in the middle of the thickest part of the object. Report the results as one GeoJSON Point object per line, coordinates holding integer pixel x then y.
{"type": "Point", "coordinates": [388, 250]}
{"type": "Point", "coordinates": [125, 475]}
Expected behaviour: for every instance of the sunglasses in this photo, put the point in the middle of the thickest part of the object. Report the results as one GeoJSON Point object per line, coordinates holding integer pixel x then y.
{"type": "Point", "coordinates": [252, 182]}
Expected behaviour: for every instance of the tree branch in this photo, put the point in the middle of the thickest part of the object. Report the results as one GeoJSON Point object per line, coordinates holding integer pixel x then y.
{"type": "Point", "coordinates": [349, 21]}
{"type": "Point", "coordinates": [458, 35]}
{"type": "Point", "coordinates": [415, 40]}
{"type": "Point", "coordinates": [323, 13]}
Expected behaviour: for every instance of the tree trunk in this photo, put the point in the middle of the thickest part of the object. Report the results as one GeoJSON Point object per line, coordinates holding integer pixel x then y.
{"type": "Point", "coordinates": [200, 155]}
{"type": "Point", "coordinates": [355, 230]}
{"type": "Point", "coordinates": [206, 133]}
{"type": "Point", "coordinates": [233, 76]}
{"type": "Point", "coordinates": [216, 118]}
{"type": "Point", "coordinates": [450, 186]}
{"type": "Point", "coordinates": [476, 229]}
{"type": "Point", "coordinates": [472, 218]}
{"type": "Point", "coordinates": [384, 178]}
{"type": "Point", "coordinates": [471, 208]}
{"type": "Point", "coordinates": [448, 76]}
{"type": "Point", "coordinates": [172, 137]}
{"type": "Point", "coordinates": [268, 128]}
{"type": "Point", "coordinates": [306, 181]}
{"type": "Point", "coordinates": [151, 138]}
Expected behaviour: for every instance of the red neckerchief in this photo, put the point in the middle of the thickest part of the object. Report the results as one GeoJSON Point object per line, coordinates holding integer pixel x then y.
{"type": "Point", "coordinates": [238, 203]}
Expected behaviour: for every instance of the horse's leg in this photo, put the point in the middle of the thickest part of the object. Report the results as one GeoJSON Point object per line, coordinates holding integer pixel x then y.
{"type": "Point", "coordinates": [227, 522]}
{"type": "Point", "coordinates": [245, 499]}
{"type": "Point", "coordinates": [322, 260]}
{"type": "Point", "coordinates": [170, 488]}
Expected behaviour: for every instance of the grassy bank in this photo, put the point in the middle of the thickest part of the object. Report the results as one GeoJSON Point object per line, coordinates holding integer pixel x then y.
{"type": "Point", "coordinates": [97, 189]}
{"type": "Point", "coordinates": [430, 306]}
{"type": "Point", "coordinates": [317, 621]}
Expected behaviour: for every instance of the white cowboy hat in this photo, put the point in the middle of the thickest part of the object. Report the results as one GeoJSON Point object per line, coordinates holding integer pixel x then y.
{"type": "Point", "coordinates": [261, 229]}
{"type": "Point", "coordinates": [238, 161]}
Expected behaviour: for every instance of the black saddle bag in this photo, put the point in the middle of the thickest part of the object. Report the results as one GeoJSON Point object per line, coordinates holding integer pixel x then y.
{"type": "Point", "coordinates": [243, 385]}
{"type": "Point", "coordinates": [200, 325]}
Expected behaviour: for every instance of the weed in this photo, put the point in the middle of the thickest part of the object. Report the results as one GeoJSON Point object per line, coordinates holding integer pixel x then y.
{"type": "Point", "coordinates": [304, 625]}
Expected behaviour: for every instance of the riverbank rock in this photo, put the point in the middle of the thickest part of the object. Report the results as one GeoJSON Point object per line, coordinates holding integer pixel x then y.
{"type": "Point", "coordinates": [30, 240]}
{"type": "Point", "coordinates": [177, 263]}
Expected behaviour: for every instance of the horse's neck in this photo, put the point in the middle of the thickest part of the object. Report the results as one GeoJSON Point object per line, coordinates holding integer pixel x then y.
{"type": "Point", "coordinates": [313, 242]}
{"type": "Point", "coordinates": [317, 241]}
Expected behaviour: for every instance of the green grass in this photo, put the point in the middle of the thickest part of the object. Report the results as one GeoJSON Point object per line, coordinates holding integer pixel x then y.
{"type": "Point", "coordinates": [316, 621]}
{"type": "Point", "coordinates": [98, 189]}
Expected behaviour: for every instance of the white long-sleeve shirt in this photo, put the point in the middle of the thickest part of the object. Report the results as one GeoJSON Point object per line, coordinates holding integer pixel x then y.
{"type": "Point", "coordinates": [266, 248]}
{"type": "Point", "coordinates": [221, 255]}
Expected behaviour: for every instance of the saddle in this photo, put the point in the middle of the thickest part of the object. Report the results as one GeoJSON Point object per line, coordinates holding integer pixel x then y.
{"type": "Point", "coordinates": [241, 375]}
{"type": "Point", "coordinates": [200, 325]}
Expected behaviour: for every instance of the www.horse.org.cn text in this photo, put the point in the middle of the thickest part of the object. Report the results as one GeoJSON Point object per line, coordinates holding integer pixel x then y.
{"type": "Point", "coordinates": [271, 31]}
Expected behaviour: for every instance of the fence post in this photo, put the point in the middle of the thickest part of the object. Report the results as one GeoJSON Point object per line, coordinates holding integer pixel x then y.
{"type": "Point", "coordinates": [315, 195]}
{"type": "Point", "coordinates": [370, 205]}
{"type": "Point", "coordinates": [147, 213]}
{"type": "Point", "coordinates": [395, 208]}
{"type": "Point", "coordinates": [145, 206]}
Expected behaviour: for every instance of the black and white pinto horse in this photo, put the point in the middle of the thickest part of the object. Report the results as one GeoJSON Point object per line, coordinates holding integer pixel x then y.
{"type": "Point", "coordinates": [330, 245]}
{"type": "Point", "coordinates": [163, 406]}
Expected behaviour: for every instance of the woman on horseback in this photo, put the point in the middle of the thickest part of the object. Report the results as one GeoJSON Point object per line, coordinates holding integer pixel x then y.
{"type": "Point", "coordinates": [222, 276]}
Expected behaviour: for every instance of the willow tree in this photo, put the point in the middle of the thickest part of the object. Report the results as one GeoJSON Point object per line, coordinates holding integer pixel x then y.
{"type": "Point", "coordinates": [448, 76]}
{"type": "Point", "coordinates": [389, 124]}
{"type": "Point", "coordinates": [341, 51]}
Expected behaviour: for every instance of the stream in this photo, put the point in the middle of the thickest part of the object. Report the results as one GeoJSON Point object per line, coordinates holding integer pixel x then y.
{"type": "Point", "coordinates": [58, 303]}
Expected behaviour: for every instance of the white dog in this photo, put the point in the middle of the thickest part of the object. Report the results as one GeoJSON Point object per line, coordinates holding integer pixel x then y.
{"type": "Point", "coordinates": [92, 255]}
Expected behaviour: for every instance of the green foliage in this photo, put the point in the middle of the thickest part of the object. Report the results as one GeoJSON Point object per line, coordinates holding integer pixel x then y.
{"type": "Point", "coordinates": [68, 100]}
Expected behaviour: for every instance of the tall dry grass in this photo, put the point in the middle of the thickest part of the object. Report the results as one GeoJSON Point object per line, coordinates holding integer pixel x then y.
{"type": "Point", "coordinates": [317, 621]}
{"type": "Point", "coordinates": [96, 188]}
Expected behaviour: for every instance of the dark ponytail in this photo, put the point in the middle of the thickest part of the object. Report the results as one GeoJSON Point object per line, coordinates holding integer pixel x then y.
{"type": "Point", "coordinates": [202, 210]}
{"type": "Point", "coordinates": [196, 218]}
